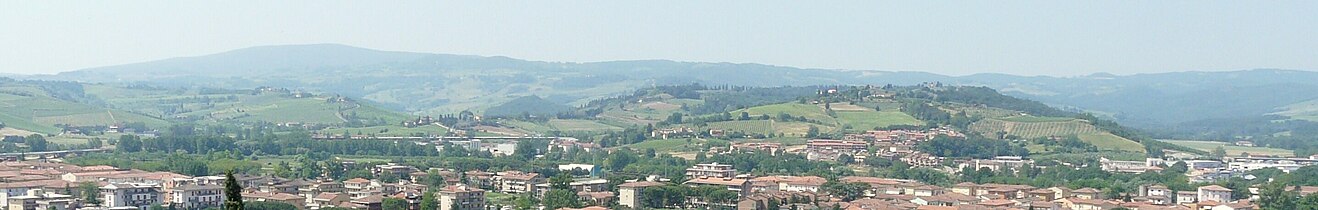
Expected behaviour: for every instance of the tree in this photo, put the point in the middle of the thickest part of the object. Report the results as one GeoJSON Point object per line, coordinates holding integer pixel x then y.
{"type": "Point", "coordinates": [562, 181]}
{"type": "Point", "coordinates": [812, 132]}
{"type": "Point", "coordinates": [129, 143]}
{"type": "Point", "coordinates": [232, 192]}
{"type": "Point", "coordinates": [36, 142]}
{"type": "Point", "coordinates": [429, 202]}
{"type": "Point", "coordinates": [848, 191]}
{"type": "Point", "coordinates": [559, 198]}
{"type": "Point", "coordinates": [90, 192]}
{"type": "Point", "coordinates": [393, 203]}
{"type": "Point", "coordinates": [1275, 196]}
{"type": "Point", "coordinates": [1219, 152]}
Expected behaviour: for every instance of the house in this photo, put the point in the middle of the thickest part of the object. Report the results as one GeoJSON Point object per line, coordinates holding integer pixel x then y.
{"type": "Point", "coordinates": [1187, 197]}
{"type": "Point", "coordinates": [37, 199]}
{"type": "Point", "coordinates": [629, 194]}
{"type": "Point", "coordinates": [194, 196]}
{"type": "Point", "coordinates": [966, 188]}
{"type": "Point", "coordinates": [291, 199]}
{"type": "Point", "coordinates": [461, 197]}
{"type": "Point", "coordinates": [328, 199]}
{"type": "Point", "coordinates": [1214, 193]}
{"type": "Point", "coordinates": [1087, 193]}
{"type": "Point", "coordinates": [710, 170]}
{"type": "Point", "coordinates": [517, 181]}
{"type": "Point", "coordinates": [577, 185]}
{"type": "Point", "coordinates": [1087, 204]}
{"type": "Point", "coordinates": [946, 199]}
{"type": "Point", "coordinates": [137, 195]}
{"type": "Point", "coordinates": [740, 186]}
{"type": "Point", "coordinates": [1239, 205]}
{"type": "Point", "coordinates": [790, 183]}
{"type": "Point", "coordinates": [392, 168]}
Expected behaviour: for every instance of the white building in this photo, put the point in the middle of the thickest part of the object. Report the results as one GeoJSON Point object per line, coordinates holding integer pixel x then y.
{"type": "Point", "coordinates": [194, 196]}
{"type": "Point", "coordinates": [710, 170]}
{"type": "Point", "coordinates": [141, 196]}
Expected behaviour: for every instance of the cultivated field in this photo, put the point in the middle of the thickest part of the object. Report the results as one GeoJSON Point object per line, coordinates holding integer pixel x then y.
{"type": "Point", "coordinates": [389, 130]}
{"type": "Point", "coordinates": [869, 119]}
{"type": "Point", "coordinates": [1035, 127]}
{"type": "Point", "coordinates": [1231, 150]}
{"type": "Point", "coordinates": [580, 125]}
{"type": "Point", "coordinates": [809, 111]}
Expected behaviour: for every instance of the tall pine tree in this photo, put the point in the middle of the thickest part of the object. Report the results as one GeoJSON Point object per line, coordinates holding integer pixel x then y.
{"type": "Point", "coordinates": [233, 192]}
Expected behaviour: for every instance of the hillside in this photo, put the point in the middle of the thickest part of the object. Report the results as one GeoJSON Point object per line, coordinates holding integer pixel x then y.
{"type": "Point", "coordinates": [270, 105]}
{"type": "Point", "coordinates": [33, 106]}
{"type": "Point", "coordinates": [441, 83]}
{"type": "Point", "coordinates": [840, 111]}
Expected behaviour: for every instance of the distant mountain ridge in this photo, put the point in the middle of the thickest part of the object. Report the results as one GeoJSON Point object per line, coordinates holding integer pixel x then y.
{"type": "Point", "coordinates": [444, 83]}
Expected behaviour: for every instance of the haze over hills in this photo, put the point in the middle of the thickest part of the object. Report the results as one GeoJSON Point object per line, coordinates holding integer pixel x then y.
{"type": "Point", "coordinates": [443, 83]}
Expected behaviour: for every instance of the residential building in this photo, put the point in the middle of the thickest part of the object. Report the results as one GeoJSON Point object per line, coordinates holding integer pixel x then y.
{"type": "Point", "coordinates": [1214, 193]}
{"type": "Point", "coordinates": [193, 196]}
{"type": "Point", "coordinates": [37, 199]}
{"type": "Point", "coordinates": [136, 195]}
{"type": "Point", "coordinates": [629, 194]}
{"type": "Point", "coordinates": [710, 170]}
{"type": "Point", "coordinates": [462, 197]}
{"type": "Point", "coordinates": [517, 181]}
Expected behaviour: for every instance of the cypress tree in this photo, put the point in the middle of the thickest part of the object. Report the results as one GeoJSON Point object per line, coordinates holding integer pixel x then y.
{"type": "Point", "coordinates": [233, 192]}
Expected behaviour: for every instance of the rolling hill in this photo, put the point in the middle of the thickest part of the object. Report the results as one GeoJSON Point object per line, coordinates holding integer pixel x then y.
{"type": "Point", "coordinates": [443, 83]}
{"type": "Point", "coordinates": [34, 106]}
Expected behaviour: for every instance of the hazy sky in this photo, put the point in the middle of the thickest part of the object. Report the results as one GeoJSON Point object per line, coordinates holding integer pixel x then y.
{"type": "Point", "coordinates": [1029, 38]}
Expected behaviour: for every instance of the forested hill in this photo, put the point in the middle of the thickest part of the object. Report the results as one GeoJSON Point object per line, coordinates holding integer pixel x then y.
{"type": "Point", "coordinates": [441, 83]}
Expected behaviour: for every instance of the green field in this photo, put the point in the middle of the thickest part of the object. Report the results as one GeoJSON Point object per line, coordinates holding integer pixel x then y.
{"type": "Point", "coordinates": [809, 111]}
{"type": "Point", "coordinates": [1231, 150]}
{"type": "Point", "coordinates": [869, 119]}
{"type": "Point", "coordinates": [1031, 130]}
{"type": "Point", "coordinates": [580, 125]}
{"type": "Point", "coordinates": [672, 145]}
{"type": "Point", "coordinates": [1307, 110]}
{"type": "Point", "coordinates": [1029, 119]}
{"type": "Point", "coordinates": [528, 126]}
{"type": "Point", "coordinates": [36, 111]}
{"type": "Point", "coordinates": [1036, 127]}
{"type": "Point", "coordinates": [390, 130]}
{"type": "Point", "coordinates": [1109, 141]}
{"type": "Point", "coordinates": [746, 126]}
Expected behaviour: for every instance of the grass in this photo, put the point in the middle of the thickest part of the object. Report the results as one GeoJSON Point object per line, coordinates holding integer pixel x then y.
{"type": "Point", "coordinates": [869, 119]}
{"type": "Point", "coordinates": [1109, 141]}
{"type": "Point", "coordinates": [673, 145]}
{"type": "Point", "coordinates": [498, 198]}
{"type": "Point", "coordinates": [809, 111]}
{"type": "Point", "coordinates": [1036, 127]}
{"type": "Point", "coordinates": [1029, 119]}
{"type": "Point", "coordinates": [786, 141]}
{"type": "Point", "coordinates": [390, 130]}
{"type": "Point", "coordinates": [528, 126]}
{"type": "Point", "coordinates": [581, 125]}
{"type": "Point", "coordinates": [1231, 150]}
{"type": "Point", "coordinates": [75, 140]}
{"type": "Point", "coordinates": [746, 126]}
{"type": "Point", "coordinates": [39, 112]}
